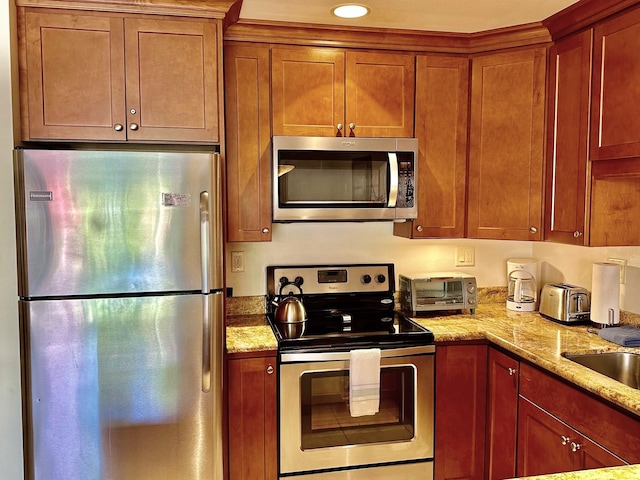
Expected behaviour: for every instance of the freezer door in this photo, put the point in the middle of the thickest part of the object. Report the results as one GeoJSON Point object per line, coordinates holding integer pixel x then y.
{"type": "Point", "coordinates": [111, 222]}
{"type": "Point", "coordinates": [115, 389]}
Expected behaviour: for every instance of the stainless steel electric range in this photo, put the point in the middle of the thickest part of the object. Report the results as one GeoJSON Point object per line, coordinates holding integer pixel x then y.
{"type": "Point", "coordinates": [350, 308]}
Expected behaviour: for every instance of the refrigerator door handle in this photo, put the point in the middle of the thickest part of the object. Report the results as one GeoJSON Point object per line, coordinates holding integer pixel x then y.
{"type": "Point", "coordinates": [206, 313]}
{"type": "Point", "coordinates": [206, 344]}
{"type": "Point", "coordinates": [204, 240]}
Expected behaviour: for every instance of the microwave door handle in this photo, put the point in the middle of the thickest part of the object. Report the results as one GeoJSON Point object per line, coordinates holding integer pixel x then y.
{"type": "Point", "coordinates": [393, 179]}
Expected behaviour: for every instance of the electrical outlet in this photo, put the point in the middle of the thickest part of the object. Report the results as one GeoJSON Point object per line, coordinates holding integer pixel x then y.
{"type": "Point", "coordinates": [623, 268]}
{"type": "Point", "coordinates": [465, 257]}
{"type": "Point", "coordinates": [237, 261]}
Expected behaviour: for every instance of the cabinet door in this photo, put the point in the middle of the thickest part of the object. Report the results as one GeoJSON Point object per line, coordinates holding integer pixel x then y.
{"type": "Point", "coordinates": [615, 202]}
{"type": "Point", "coordinates": [502, 415]}
{"type": "Point", "coordinates": [172, 80]}
{"type": "Point", "coordinates": [506, 150]}
{"type": "Point", "coordinates": [461, 390]}
{"type": "Point", "coordinates": [567, 153]}
{"type": "Point", "coordinates": [547, 445]}
{"type": "Point", "coordinates": [615, 127]}
{"type": "Point", "coordinates": [379, 94]}
{"type": "Point", "coordinates": [248, 141]}
{"type": "Point", "coordinates": [543, 443]}
{"type": "Point", "coordinates": [252, 419]}
{"type": "Point", "coordinates": [73, 82]}
{"type": "Point", "coordinates": [442, 97]}
{"type": "Point", "coordinates": [307, 88]}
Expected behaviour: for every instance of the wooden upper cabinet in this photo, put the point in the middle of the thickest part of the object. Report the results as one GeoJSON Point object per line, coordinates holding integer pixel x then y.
{"type": "Point", "coordinates": [324, 91]}
{"type": "Point", "coordinates": [172, 80]}
{"type": "Point", "coordinates": [72, 84]}
{"type": "Point", "coordinates": [615, 123]}
{"type": "Point", "coordinates": [507, 141]}
{"type": "Point", "coordinates": [442, 97]}
{"type": "Point", "coordinates": [568, 140]}
{"type": "Point", "coordinates": [104, 77]}
{"type": "Point", "coordinates": [248, 153]}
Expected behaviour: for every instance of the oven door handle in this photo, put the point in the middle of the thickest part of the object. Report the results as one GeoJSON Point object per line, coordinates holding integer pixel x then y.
{"type": "Point", "coordinates": [290, 357]}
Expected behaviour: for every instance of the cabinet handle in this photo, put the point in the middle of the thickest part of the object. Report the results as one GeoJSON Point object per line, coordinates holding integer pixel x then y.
{"type": "Point", "coordinates": [575, 446]}
{"type": "Point", "coordinates": [533, 229]}
{"type": "Point", "coordinates": [133, 126]}
{"type": "Point", "coordinates": [265, 230]}
{"type": "Point", "coordinates": [270, 370]}
{"type": "Point", "coordinates": [564, 440]}
{"type": "Point", "coordinates": [577, 234]}
{"type": "Point", "coordinates": [118, 127]}
{"type": "Point", "coordinates": [419, 228]}
{"type": "Point", "coordinates": [352, 126]}
{"type": "Point", "coordinates": [339, 127]}
{"type": "Point", "coordinates": [512, 371]}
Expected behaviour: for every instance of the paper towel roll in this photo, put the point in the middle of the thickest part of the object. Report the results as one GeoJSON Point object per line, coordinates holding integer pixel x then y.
{"type": "Point", "coordinates": [605, 293]}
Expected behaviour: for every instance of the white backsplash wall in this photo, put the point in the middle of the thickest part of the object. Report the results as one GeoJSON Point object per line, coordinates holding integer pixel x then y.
{"type": "Point", "coordinates": [571, 264]}
{"type": "Point", "coordinates": [331, 243]}
{"type": "Point", "coordinates": [366, 242]}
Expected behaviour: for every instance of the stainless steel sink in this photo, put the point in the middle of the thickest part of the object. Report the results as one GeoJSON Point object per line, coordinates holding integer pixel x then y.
{"type": "Point", "coordinates": [621, 366]}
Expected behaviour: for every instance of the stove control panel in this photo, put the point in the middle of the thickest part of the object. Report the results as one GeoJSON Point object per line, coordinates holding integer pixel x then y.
{"type": "Point", "coordinates": [331, 279]}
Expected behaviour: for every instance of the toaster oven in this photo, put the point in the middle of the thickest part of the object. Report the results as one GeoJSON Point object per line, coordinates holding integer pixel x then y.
{"type": "Point", "coordinates": [437, 291]}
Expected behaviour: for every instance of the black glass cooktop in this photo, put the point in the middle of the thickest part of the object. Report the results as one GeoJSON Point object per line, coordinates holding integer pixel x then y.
{"type": "Point", "coordinates": [329, 330]}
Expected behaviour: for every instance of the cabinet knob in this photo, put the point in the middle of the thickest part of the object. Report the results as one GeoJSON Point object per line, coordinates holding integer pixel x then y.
{"type": "Point", "coordinates": [118, 127]}
{"type": "Point", "coordinates": [265, 230]}
{"type": "Point", "coordinates": [339, 127]}
{"type": "Point", "coordinates": [419, 228]}
{"type": "Point", "coordinates": [577, 234]}
{"type": "Point", "coordinates": [575, 446]}
{"type": "Point", "coordinates": [533, 229]}
{"type": "Point", "coordinates": [133, 126]}
{"type": "Point", "coordinates": [270, 369]}
{"type": "Point", "coordinates": [512, 371]}
{"type": "Point", "coordinates": [564, 440]}
{"type": "Point", "coordinates": [352, 126]}
{"type": "Point", "coordinates": [133, 111]}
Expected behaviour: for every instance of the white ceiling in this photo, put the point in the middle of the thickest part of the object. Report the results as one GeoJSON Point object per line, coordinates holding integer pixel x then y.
{"type": "Point", "coordinates": [459, 16]}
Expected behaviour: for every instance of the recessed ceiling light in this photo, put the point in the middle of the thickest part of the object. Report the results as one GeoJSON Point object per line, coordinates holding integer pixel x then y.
{"type": "Point", "coordinates": [350, 10]}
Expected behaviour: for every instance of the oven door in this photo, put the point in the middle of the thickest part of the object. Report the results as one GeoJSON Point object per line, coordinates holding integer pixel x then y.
{"type": "Point", "coordinates": [317, 431]}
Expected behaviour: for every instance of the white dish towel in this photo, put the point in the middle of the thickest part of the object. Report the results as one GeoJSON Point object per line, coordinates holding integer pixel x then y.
{"type": "Point", "coordinates": [364, 382]}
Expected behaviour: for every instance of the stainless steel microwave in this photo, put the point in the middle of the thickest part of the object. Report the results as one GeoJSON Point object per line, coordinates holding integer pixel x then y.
{"type": "Point", "coordinates": [344, 179]}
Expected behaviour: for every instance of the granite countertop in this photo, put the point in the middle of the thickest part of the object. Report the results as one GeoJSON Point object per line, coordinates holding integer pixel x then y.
{"type": "Point", "coordinates": [527, 335]}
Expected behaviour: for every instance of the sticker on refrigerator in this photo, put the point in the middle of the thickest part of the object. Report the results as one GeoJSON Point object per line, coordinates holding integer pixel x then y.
{"type": "Point", "coordinates": [41, 196]}
{"type": "Point", "coordinates": [176, 199]}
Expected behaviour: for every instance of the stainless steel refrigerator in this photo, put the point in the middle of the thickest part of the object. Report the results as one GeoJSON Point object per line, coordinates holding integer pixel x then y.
{"type": "Point", "coordinates": [120, 284]}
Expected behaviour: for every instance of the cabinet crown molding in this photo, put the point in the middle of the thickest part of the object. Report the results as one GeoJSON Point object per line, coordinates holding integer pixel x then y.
{"type": "Point", "coordinates": [189, 8]}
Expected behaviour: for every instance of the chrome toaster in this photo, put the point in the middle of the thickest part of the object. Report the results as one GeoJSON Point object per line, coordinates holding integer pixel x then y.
{"type": "Point", "coordinates": [565, 303]}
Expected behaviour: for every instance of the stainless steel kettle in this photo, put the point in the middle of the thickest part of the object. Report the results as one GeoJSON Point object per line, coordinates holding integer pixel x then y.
{"type": "Point", "coordinates": [290, 309]}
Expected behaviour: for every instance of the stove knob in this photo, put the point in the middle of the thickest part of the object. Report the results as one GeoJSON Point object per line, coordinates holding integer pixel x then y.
{"type": "Point", "coordinates": [381, 278]}
{"type": "Point", "coordinates": [366, 278]}
{"type": "Point", "coordinates": [284, 281]}
{"type": "Point", "coordinates": [298, 281]}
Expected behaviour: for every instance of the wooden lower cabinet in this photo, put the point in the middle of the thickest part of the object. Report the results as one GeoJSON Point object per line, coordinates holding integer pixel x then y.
{"type": "Point", "coordinates": [461, 398]}
{"type": "Point", "coordinates": [562, 428]}
{"type": "Point", "coordinates": [502, 415]}
{"type": "Point", "coordinates": [547, 445]}
{"type": "Point", "coordinates": [252, 418]}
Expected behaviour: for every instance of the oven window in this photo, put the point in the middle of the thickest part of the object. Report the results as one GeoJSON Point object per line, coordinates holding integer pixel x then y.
{"type": "Point", "coordinates": [353, 179]}
{"type": "Point", "coordinates": [326, 421]}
